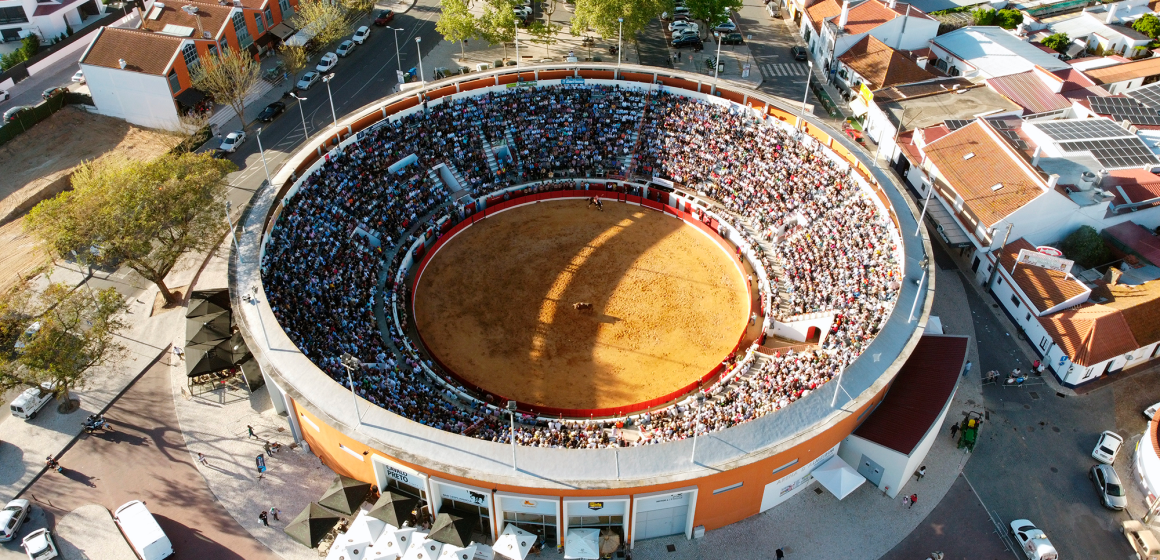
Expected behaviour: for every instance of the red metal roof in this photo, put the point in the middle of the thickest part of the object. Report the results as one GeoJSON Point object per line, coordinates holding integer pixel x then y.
{"type": "Point", "coordinates": [918, 395]}
{"type": "Point", "coordinates": [1029, 92]}
{"type": "Point", "coordinates": [1138, 239]}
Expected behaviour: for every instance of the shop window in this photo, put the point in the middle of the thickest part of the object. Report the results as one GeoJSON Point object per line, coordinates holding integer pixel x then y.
{"type": "Point", "coordinates": [478, 514]}
{"type": "Point", "coordinates": [240, 29]}
{"type": "Point", "coordinates": [225, 45]}
{"type": "Point", "coordinates": [261, 24]}
{"type": "Point", "coordinates": [174, 83]}
{"type": "Point", "coordinates": [1015, 301]}
{"type": "Point", "coordinates": [543, 526]}
{"type": "Point", "coordinates": [269, 18]}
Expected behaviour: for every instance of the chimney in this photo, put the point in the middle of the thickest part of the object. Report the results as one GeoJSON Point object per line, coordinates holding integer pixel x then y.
{"type": "Point", "coordinates": [1052, 181]}
{"type": "Point", "coordinates": [893, 3]}
{"type": "Point", "coordinates": [122, 62]}
{"type": "Point", "coordinates": [921, 62]}
{"type": "Point", "coordinates": [845, 17]}
{"type": "Point", "coordinates": [1035, 156]}
{"type": "Point", "coordinates": [1111, 14]}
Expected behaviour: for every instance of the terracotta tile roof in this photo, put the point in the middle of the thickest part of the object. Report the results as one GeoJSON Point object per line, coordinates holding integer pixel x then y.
{"type": "Point", "coordinates": [918, 394]}
{"type": "Point", "coordinates": [1138, 184]}
{"type": "Point", "coordinates": [881, 65]}
{"type": "Point", "coordinates": [211, 18]}
{"type": "Point", "coordinates": [974, 177]}
{"type": "Point", "coordinates": [250, 4]}
{"type": "Point", "coordinates": [1125, 71]}
{"type": "Point", "coordinates": [1045, 288]}
{"type": "Point", "coordinates": [1090, 333]}
{"type": "Point", "coordinates": [914, 12]}
{"type": "Point", "coordinates": [143, 51]}
{"type": "Point", "coordinates": [1140, 306]}
{"type": "Point", "coordinates": [868, 15]}
{"type": "Point", "coordinates": [822, 10]}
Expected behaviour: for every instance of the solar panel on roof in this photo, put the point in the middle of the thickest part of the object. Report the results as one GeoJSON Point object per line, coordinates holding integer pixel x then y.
{"type": "Point", "coordinates": [955, 124]}
{"type": "Point", "coordinates": [1000, 124]}
{"type": "Point", "coordinates": [1148, 95]}
{"type": "Point", "coordinates": [1125, 109]}
{"type": "Point", "coordinates": [1116, 153]}
{"type": "Point", "coordinates": [1082, 129]}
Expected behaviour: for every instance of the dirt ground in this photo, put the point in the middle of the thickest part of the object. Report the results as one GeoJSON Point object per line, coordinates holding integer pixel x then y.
{"type": "Point", "coordinates": [496, 305]}
{"type": "Point", "coordinates": [45, 155]}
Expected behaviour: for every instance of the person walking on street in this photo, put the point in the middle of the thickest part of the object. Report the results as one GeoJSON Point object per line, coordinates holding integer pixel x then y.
{"type": "Point", "coordinates": [264, 518]}
{"type": "Point", "coordinates": [954, 430]}
{"type": "Point", "coordinates": [201, 459]}
{"type": "Point", "coordinates": [967, 368]}
{"type": "Point", "coordinates": [779, 554]}
{"type": "Point", "coordinates": [913, 499]}
{"type": "Point", "coordinates": [250, 430]}
{"type": "Point", "coordinates": [921, 472]}
{"type": "Point", "coordinates": [906, 501]}
{"type": "Point", "coordinates": [274, 512]}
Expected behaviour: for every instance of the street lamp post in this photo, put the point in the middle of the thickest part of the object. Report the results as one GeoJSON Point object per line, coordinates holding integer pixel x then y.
{"type": "Point", "coordinates": [326, 80]}
{"type": "Point", "coordinates": [398, 59]}
{"type": "Point", "coordinates": [700, 402]}
{"type": "Point", "coordinates": [517, 52]}
{"type": "Point", "coordinates": [258, 135]}
{"type": "Point", "coordinates": [511, 406]}
{"type": "Point", "coordinates": [619, 40]}
{"type": "Point", "coordinates": [420, 51]}
{"type": "Point", "coordinates": [717, 61]}
{"type": "Point", "coordinates": [302, 112]}
{"type": "Point", "coordinates": [806, 95]}
{"type": "Point", "coordinates": [233, 232]}
{"type": "Point", "coordinates": [350, 363]}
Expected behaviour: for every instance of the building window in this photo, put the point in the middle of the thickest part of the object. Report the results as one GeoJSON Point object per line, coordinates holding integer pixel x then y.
{"type": "Point", "coordinates": [1027, 318]}
{"type": "Point", "coordinates": [14, 14]}
{"type": "Point", "coordinates": [287, 11]}
{"type": "Point", "coordinates": [225, 45]}
{"type": "Point", "coordinates": [212, 50]}
{"type": "Point", "coordinates": [174, 85]}
{"type": "Point", "coordinates": [189, 53]}
{"type": "Point", "coordinates": [726, 488]}
{"type": "Point", "coordinates": [269, 18]}
{"type": "Point", "coordinates": [240, 29]}
{"type": "Point", "coordinates": [261, 25]}
{"type": "Point", "coordinates": [1015, 300]}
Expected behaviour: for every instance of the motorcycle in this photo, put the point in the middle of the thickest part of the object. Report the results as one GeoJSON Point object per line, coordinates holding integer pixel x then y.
{"type": "Point", "coordinates": [613, 50]}
{"type": "Point", "coordinates": [54, 465]}
{"type": "Point", "coordinates": [95, 422]}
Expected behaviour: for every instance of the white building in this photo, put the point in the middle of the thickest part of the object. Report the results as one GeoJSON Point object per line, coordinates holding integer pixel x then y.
{"type": "Point", "coordinates": [126, 71]}
{"type": "Point", "coordinates": [988, 52]}
{"type": "Point", "coordinates": [899, 26]}
{"type": "Point", "coordinates": [46, 19]}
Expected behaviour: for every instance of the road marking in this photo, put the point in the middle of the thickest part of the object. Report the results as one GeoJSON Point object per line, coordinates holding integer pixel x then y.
{"type": "Point", "coordinates": [782, 69]}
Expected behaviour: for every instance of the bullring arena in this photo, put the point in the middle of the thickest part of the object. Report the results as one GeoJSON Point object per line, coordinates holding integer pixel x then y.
{"type": "Point", "coordinates": [443, 239]}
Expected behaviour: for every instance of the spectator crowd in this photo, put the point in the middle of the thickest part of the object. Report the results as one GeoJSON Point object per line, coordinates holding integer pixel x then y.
{"type": "Point", "coordinates": [833, 245]}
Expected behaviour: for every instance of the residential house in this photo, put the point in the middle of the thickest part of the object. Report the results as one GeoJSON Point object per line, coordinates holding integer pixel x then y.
{"type": "Point", "coordinates": [1122, 78]}
{"type": "Point", "coordinates": [1103, 32]}
{"type": "Point", "coordinates": [988, 52]}
{"type": "Point", "coordinates": [871, 65]}
{"type": "Point", "coordinates": [898, 25]}
{"type": "Point", "coordinates": [1046, 95]}
{"type": "Point", "coordinates": [48, 19]}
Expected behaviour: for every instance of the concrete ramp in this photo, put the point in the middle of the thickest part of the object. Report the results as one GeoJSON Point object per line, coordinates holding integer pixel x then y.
{"type": "Point", "coordinates": [89, 533]}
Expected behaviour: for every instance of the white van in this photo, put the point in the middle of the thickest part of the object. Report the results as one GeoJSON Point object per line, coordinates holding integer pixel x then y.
{"type": "Point", "coordinates": [31, 401]}
{"type": "Point", "coordinates": [142, 531]}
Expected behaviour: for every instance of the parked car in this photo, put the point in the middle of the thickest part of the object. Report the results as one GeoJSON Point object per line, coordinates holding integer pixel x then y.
{"type": "Point", "coordinates": [327, 62]}
{"type": "Point", "coordinates": [272, 110]}
{"type": "Point", "coordinates": [732, 39]}
{"type": "Point", "coordinates": [361, 34]}
{"type": "Point", "coordinates": [39, 545]}
{"type": "Point", "coordinates": [232, 140]}
{"type": "Point", "coordinates": [681, 22]}
{"type": "Point", "coordinates": [1108, 486]}
{"type": "Point", "coordinates": [308, 79]}
{"type": "Point", "coordinates": [1150, 412]}
{"type": "Point", "coordinates": [798, 52]}
{"type": "Point", "coordinates": [79, 77]}
{"type": "Point", "coordinates": [522, 12]}
{"type": "Point", "coordinates": [677, 11]}
{"type": "Point", "coordinates": [10, 115]}
{"type": "Point", "coordinates": [727, 27]}
{"type": "Point", "coordinates": [12, 517]}
{"type": "Point", "coordinates": [682, 33]}
{"type": "Point", "coordinates": [773, 10]}
{"type": "Point", "coordinates": [53, 91]}
{"type": "Point", "coordinates": [1142, 539]}
{"type": "Point", "coordinates": [26, 337]}
{"type": "Point", "coordinates": [384, 17]}
{"type": "Point", "coordinates": [1108, 447]}
{"type": "Point", "coordinates": [4, 96]}
{"type": "Point", "coordinates": [28, 403]}
{"type": "Point", "coordinates": [142, 531]}
{"type": "Point", "coordinates": [344, 48]}
{"type": "Point", "coordinates": [1032, 541]}
{"type": "Point", "coordinates": [687, 41]}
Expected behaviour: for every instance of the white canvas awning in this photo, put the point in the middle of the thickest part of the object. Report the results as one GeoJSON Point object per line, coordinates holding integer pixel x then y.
{"type": "Point", "coordinates": [838, 477]}
{"type": "Point", "coordinates": [514, 543]}
{"type": "Point", "coordinates": [582, 544]}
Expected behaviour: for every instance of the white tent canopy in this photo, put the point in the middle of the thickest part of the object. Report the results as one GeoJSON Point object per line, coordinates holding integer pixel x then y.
{"type": "Point", "coordinates": [392, 544]}
{"type": "Point", "coordinates": [582, 544]}
{"type": "Point", "coordinates": [452, 552]}
{"type": "Point", "coordinates": [423, 548]}
{"type": "Point", "coordinates": [365, 528]}
{"type": "Point", "coordinates": [514, 543]}
{"type": "Point", "coordinates": [838, 477]}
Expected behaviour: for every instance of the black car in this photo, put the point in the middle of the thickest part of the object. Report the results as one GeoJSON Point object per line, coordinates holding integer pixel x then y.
{"type": "Point", "coordinates": [272, 110]}
{"type": "Point", "coordinates": [733, 39]}
{"type": "Point", "coordinates": [53, 91]}
{"type": "Point", "coordinates": [687, 41]}
{"type": "Point", "coordinates": [799, 53]}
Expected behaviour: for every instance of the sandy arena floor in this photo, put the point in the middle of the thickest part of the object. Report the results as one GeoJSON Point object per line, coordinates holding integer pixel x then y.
{"type": "Point", "coordinates": [495, 305]}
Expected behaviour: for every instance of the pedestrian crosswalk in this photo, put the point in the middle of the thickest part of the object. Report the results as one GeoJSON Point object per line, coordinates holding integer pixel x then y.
{"type": "Point", "coordinates": [787, 69]}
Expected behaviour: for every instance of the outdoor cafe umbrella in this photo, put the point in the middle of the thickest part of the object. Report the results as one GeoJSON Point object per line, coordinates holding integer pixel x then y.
{"type": "Point", "coordinates": [514, 543]}
{"type": "Point", "coordinates": [233, 349]}
{"type": "Point", "coordinates": [208, 302]}
{"type": "Point", "coordinates": [451, 529]}
{"type": "Point", "coordinates": [395, 509]}
{"type": "Point", "coordinates": [582, 543]}
{"type": "Point", "coordinates": [312, 524]}
{"type": "Point", "coordinates": [200, 362]}
{"type": "Point", "coordinates": [207, 330]}
{"type": "Point", "coordinates": [345, 495]}
{"type": "Point", "coordinates": [609, 541]}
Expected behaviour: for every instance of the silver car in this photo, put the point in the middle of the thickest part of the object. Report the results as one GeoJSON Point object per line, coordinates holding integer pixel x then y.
{"type": "Point", "coordinates": [12, 517]}
{"type": "Point", "coordinates": [1108, 486]}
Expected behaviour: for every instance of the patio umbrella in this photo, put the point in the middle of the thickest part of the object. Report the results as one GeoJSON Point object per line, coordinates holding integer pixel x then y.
{"type": "Point", "coordinates": [582, 543]}
{"type": "Point", "coordinates": [423, 549]}
{"type": "Point", "coordinates": [514, 543]}
{"type": "Point", "coordinates": [201, 362]}
{"type": "Point", "coordinates": [609, 541]}
{"type": "Point", "coordinates": [452, 552]}
{"type": "Point", "coordinates": [207, 330]}
{"type": "Point", "coordinates": [206, 302]}
{"type": "Point", "coordinates": [345, 495]}
{"type": "Point", "coordinates": [393, 544]}
{"type": "Point", "coordinates": [312, 524]}
{"type": "Point", "coordinates": [451, 529]}
{"type": "Point", "coordinates": [394, 509]}
{"type": "Point", "coordinates": [233, 349]}
{"type": "Point", "coordinates": [365, 529]}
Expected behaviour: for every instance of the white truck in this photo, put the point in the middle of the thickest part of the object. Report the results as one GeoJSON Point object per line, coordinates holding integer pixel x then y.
{"type": "Point", "coordinates": [142, 531]}
{"type": "Point", "coordinates": [1032, 541]}
{"type": "Point", "coordinates": [31, 401]}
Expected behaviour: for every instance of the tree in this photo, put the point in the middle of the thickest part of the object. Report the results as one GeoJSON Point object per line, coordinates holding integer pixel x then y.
{"type": "Point", "coordinates": [497, 25]}
{"type": "Point", "coordinates": [602, 15]}
{"type": "Point", "coordinates": [325, 21]}
{"type": "Point", "coordinates": [1057, 42]}
{"type": "Point", "coordinates": [456, 23]}
{"type": "Point", "coordinates": [1008, 19]}
{"type": "Point", "coordinates": [229, 78]}
{"type": "Point", "coordinates": [1148, 24]}
{"type": "Point", "coordinates": [144, 215]}
{"type": "Point", "coordinates": [983, 16]}
{"type": "Point", "coordinates": [78, 330]}
{"type": "Point", "coordinates": [359, 6]}
{"type": "Point", "coordinates": [1086, 248]}
{"type": "Point", "coordinates": [712, 12]}
{"type": "Point", "coordinates": [544, 34]}
{"type": "Point", "coordinates": [294, 59]}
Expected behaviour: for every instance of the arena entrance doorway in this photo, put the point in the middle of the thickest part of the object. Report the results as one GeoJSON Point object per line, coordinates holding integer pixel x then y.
{"type": "Point", "coordinates": [663, 514]}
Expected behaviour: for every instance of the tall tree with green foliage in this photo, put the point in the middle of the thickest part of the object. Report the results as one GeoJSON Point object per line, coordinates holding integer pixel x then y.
{"type": "Point", "coordinates": [983, 16]}
{"type": "Point", "coordinates": [1086, 248]}
{"type": "Point", "coordinates": [78, 330]}
{"type": "Point", "coordinates": [456, 23]}
{"type": "Point", "coordinates": [1148, 24]}
{"type": "Point", "coordinates": [144, 215]}
{"type": "Point", "coordinates": [712, 12]}
{"type": "Point", "coordinates": [229, 77]}
{"type": "Point", "coordinates": [601, 15]}
{"type": "Point", "coordinates": [544, 34]}
{"type": "Point", "coordinates": [497, 25]}
{"type": "Point", "coordinates": [325, 21]}
{"type": "Point", "coordinates": [1057, 42]}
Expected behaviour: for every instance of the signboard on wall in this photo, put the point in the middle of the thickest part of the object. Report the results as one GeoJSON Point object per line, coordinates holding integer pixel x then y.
{"type": "Point", "coordinates": [465, 495]}
{"type": "Point", "coordinates": [528, 504]}
{"type": "Point", "coordinates": [403, 475]}
{"type": "Point", "coordinates": [782, 489]}
{"type": "Point", "coordinates": [1042, 260]}
{"type": "Point", "coordinates": [675, 499]}
{"type": "Point", "coordinates": [602, 507]}
{"type": "Point", "coordinates": [867, 95]}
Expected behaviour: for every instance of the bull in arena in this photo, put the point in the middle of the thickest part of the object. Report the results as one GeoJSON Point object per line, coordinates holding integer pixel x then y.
{"type": "Point", "coordinates": [582, 306]}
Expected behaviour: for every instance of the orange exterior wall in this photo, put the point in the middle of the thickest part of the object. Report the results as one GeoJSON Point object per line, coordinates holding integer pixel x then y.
{"type": "Point", "coordinates": [712, 511]}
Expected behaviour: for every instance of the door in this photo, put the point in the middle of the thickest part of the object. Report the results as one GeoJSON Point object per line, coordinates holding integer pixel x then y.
{"type": "Point", "coordinates": [662, 522]}
{"type": "Point", "coordinates": [870, 470]}
{"type": "Point", "coordinates": [975, 265]}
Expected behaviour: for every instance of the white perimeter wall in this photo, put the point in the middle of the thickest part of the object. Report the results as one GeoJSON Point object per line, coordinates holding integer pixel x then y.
{"type": "Point", "coordinates": [141, 99]}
